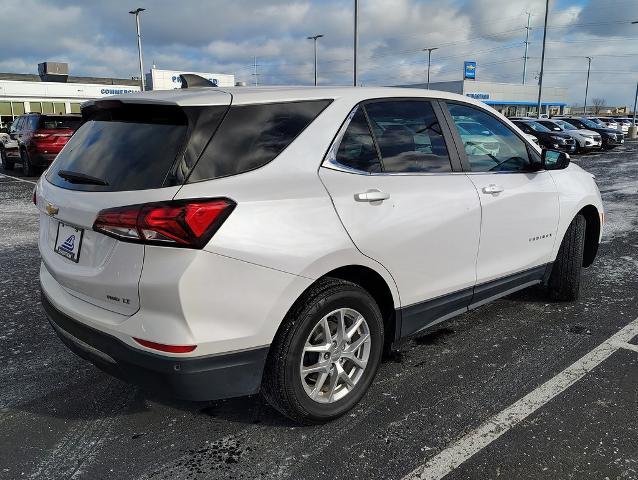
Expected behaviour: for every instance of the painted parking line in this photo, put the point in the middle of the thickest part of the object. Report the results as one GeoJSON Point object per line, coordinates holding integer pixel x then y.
{"type": "Point", "coordinates": [473, 442]}
{"type": "Point", "coordinates": [18, 178]}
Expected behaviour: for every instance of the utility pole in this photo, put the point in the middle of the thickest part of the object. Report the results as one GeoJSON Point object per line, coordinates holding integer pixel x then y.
{"type": "Point", "coordinates": [255, 74]}
{"type": "Point", "coordinates": [137, 12]}
{"type": "Point", "coordinates": [633, 130]}
{"type": "Point", "coordinates": [587, 85]}
{"type": "Point", "coordinates": [429, 50]}
{"type": "Point", "coordinates": [525, 58]}
{"type": "Point", "coordinates": [540, 78]}
{"type": "Point", "coordinates": [356, 40]}
{"type": "Point", "coordinates": [315, 37]}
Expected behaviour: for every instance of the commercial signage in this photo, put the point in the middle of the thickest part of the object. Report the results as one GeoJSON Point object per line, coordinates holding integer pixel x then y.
{"type": "Point", "coordinates": [170, 79]}
{"type": "Point", "coordinates": [178, 80]}
{"type": "Point", "coordinates": [116, 91]}
{"type": "Point", "coordinates": [469, 69]}
{"type": "Point", "coordinates": [478, 95]}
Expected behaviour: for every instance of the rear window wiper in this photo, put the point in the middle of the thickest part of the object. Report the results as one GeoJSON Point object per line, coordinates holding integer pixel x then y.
{"type": "Point", "coordinates": [76, 177]}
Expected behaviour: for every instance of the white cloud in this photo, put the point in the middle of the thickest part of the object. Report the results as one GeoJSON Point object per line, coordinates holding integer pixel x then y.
{"type": "Point", "coordinates": [222, 36]}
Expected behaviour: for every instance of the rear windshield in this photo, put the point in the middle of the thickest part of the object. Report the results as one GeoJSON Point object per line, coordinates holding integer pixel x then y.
{"type": "Point", "coordinates": [55, 123]}
{"type": "Point", "coordinates": [131, 147]}
{"type": "Point", "coordinates": [137, 146]}
{"type": "Point", "coordinates": [251, 136]}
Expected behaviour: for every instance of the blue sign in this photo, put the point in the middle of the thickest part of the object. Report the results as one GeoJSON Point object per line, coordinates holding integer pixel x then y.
{"type": "Point", "coordinates": [469, 70]}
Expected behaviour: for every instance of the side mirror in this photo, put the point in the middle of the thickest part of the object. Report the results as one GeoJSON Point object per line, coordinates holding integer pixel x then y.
{"type": "Point", "coordinates": [554, 160]}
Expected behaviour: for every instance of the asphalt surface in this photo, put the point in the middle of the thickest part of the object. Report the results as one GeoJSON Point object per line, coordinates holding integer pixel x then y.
{"type": "Point", "coordinates": [63, 418]}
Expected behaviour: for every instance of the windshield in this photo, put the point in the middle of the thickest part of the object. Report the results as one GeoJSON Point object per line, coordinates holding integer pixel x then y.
{"type": "Point", "coordinates": [129, 148]}
{"type": "Point", "coordinates": [538, 127]}
{"type": "Point", "coordinates": [564, 125]}
{"type": "Point", "coordinates": [589, 123]}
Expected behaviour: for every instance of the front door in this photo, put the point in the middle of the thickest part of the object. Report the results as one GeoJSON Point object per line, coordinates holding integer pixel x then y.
{"type": "Point", "coordinates": [520, 206]}
{"type": "Point", "coordinates": [393, 186]}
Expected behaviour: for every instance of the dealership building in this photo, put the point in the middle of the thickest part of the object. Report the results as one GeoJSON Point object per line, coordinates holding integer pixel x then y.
{"type": "Point", "coordinates": [53, 90]}
{"type": "Point", "coordinates": [508, 98]}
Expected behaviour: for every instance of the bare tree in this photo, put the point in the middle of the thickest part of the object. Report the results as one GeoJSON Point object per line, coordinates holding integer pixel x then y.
{"type": "Point", "coordinates": [598, 104]}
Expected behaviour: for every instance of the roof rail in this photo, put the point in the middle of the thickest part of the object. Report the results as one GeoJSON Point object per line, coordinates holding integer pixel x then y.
{"type": "Point", "coordinates": [190, 80]}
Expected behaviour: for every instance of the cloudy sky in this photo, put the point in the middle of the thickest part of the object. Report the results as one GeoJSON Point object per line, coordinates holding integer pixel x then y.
{"type": "Point", "coordinates": [98, 38]}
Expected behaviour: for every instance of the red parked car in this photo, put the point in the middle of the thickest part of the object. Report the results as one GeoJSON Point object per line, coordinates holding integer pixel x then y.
{"type": "Point", "coordinates": [39, 138]}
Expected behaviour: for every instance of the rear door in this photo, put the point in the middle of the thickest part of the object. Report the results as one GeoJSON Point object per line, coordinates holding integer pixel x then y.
{"type": "Point", "coordinates": [393, 184]}
{"type": "Point", "coordinates": [519, 204]}
{"type": "Point", "coordinates": [124, 154]}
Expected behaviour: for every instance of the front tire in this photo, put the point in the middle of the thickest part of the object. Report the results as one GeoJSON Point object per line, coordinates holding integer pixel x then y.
{"type": "Point", "coordinates": [326, 354]}
{"type": "Point", "coordinates": [564, 281]}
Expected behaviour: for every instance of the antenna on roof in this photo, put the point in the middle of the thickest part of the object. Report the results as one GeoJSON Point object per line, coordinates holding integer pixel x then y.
{"type": "Point", "coordinates": [190, 80]}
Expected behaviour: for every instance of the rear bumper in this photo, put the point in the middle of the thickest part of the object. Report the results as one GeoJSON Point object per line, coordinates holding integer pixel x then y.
{"type": "Point", "coordinates": [201, 378]}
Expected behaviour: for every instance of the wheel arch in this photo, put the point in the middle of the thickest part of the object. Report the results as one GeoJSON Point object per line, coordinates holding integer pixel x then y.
{"type": "Point", "coordinates": [592, 233]}
{"type": "Point", "coordinates": [374, 283]}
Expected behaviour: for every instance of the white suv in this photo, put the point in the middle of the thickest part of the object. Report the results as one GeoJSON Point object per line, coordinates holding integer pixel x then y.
{"type": "Point", "coordinates": [212, 242]}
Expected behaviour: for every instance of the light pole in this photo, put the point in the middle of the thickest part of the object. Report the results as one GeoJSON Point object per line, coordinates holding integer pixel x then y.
{"type": "Point", "coordinates": [137, 12]}
{"type": "Point", "coordinates": [315, 37]}
{"type": "Point", "coordinates": [429, 50]}
{"type": "Point", "coordinates": [356, 40]}
{"type": "Point", "coordinates": [633, 131]}
{"type": "Point", "coordinates": [525, 58]}
{"type": "Point", "coordinates": [540, 78]}
{"type": "Point", "coordinates": [587, 85]}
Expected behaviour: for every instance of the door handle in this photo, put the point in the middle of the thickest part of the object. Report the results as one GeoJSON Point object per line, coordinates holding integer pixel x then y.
{"type": "Point", "coordinates": [493, 189]}
{"type": "Point", "coordinates": [371, 196]}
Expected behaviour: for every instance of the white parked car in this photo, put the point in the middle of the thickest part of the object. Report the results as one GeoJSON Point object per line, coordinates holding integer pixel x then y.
{"type": "Point", "coordinates": [211, 242]}
{"type": "Point", "coordinates": [605, 122]}
{"type": "Point", "coordinates": [586, 140]}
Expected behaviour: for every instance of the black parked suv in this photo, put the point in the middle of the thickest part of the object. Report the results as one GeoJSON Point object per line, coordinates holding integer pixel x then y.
{"type": "Point", "coordinates": [547, 139]}
{"type": "Point", "coordinates": [611, 138]}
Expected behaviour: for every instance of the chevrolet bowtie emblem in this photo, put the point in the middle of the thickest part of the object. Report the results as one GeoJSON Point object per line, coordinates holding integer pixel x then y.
{"type": "Point", "coordinates": [52, 210]}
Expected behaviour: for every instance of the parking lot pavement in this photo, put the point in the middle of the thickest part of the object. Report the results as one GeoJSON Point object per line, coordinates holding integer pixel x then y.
{"type": "Point", "coordinates": [62, 418]}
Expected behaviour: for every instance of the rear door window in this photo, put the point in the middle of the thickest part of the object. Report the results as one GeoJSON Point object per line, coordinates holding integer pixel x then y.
{"type": "Point", "coordinates": [409, 136]}
{"type": "Point", "coordinates": [250, 136]}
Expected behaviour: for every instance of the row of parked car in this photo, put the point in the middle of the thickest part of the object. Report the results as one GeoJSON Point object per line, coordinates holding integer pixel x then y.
{"type": "Point", "coordinates": [35, 139]}
{"type": "Point", "coordinates": [575, 134]}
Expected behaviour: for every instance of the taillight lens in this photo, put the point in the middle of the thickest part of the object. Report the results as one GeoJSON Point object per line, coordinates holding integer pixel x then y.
{"type": "Point", "coordinates": [179, 223]}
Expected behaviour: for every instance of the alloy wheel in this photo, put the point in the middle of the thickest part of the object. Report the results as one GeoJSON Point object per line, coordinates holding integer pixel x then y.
{"type": "Point", "coordinates": [335, 355]}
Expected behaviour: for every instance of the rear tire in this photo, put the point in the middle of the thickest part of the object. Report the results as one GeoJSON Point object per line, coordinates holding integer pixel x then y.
{"type": "Point", "coordinates": [6, 164]}
{"type": "Point", "coordinates": [325, 395]}
{"type": "Point", "coordinates": [564, 281]}
{"type": "Point", "coordinates": [28, 170]}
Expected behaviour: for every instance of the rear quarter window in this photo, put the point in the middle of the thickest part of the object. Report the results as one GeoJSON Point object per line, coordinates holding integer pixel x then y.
{"type": "Point", "coordinates": [250, 136]}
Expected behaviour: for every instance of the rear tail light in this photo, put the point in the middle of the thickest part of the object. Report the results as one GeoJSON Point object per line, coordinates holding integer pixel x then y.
{"type": "Point", "coordinates": [179, 223]}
